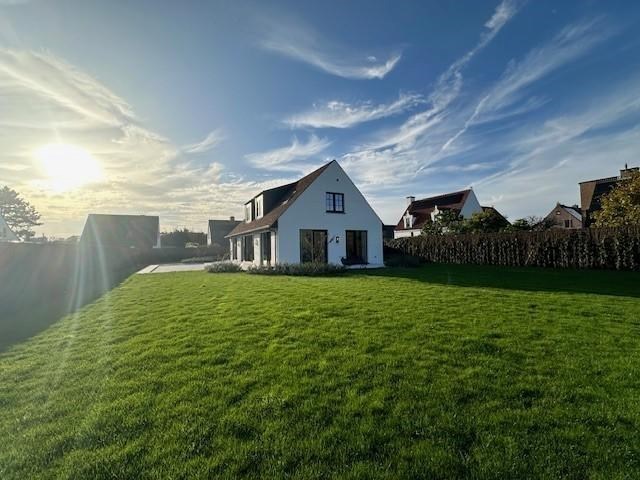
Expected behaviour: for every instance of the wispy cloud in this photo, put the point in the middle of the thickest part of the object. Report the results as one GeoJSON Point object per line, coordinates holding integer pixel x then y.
{"type": "Point", "coordinates": [337, 114]}
{"type": "Point", "coordinates": [296, 40]}
{"type": "Point", "coordinates": [45, 100]}
{"type": "Point", "coordinates": [213, 139]}
{"type": "Point", "coordinates": [571, 43]}
{"type": "Point", "coordinates": [398, 151]}
{"type": "Point", "coordinates": [291, 157]}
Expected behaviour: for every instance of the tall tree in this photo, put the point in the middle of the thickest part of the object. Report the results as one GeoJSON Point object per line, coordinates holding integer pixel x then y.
{"type": "Point", "coordinates": [621, 206]}
{"type": "Point", "coordinates": [19, 214]}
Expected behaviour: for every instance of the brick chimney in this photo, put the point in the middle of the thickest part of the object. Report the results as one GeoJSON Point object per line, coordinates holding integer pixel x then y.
{"type": "Point", "coordinates": [232, 218]}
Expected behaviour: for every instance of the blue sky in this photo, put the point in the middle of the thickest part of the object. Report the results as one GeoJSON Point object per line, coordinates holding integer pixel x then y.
{"type": "Point", "coordinates": [192, 107]}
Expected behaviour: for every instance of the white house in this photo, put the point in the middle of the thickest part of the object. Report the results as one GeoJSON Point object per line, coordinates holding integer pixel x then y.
{"type": "Point", "coordinates": [419, 212]}
{"type": "Point", "coordinates": [6, 234]}
{"type": "Point", "coordinates": [322, 217]}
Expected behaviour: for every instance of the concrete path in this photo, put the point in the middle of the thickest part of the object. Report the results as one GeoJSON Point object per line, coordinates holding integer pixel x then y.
{"type": "Point", "coordinates": [173, 267]}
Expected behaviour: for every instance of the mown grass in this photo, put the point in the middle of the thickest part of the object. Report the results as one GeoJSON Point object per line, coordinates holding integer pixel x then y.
{"type": "Point", "coordinates": [441, 372]}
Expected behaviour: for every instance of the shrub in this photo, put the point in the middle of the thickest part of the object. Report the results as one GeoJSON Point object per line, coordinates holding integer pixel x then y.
{"type": "Point", "coordinates": [223, 267]}
{"type": "Point", "coordinates": [298, 269]}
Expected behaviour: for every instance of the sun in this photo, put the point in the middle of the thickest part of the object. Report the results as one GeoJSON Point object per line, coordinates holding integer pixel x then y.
{"type": "Point", "coordinates": [68, 166]}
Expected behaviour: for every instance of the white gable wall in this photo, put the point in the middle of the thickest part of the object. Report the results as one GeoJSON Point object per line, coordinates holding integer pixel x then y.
{"type": "Point", "coordinates": [471, 206]}
{"type": "Point", "coordinates": [6, 234]}
{"type": "Point", "coordinates": [309, 212]}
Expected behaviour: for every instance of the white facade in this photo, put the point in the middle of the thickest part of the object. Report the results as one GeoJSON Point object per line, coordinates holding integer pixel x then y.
{"type": "Point", "coordinates": [309, 212]}
{"type": "Point", "coordinates": [6, 234]}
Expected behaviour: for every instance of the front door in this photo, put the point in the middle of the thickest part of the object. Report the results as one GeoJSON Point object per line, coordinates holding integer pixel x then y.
{"type": "Point", "coordinates": [356, 247]}
{"type": "Point", "coordinates": [313, 246]}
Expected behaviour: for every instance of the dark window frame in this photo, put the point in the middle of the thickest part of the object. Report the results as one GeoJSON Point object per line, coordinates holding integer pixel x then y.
{"type": "Point", "coordinates": [247, 248]}
{"type": "Point", "coordinates": [331, 206]}
{"type": "Point", "coordinates": [356, 243]}
{"type": "Point", "coordinates": [310, 255]}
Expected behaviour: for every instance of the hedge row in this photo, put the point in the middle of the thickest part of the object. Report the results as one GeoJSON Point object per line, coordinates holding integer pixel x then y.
{"type": "Point", "coordinates": [607, 248]}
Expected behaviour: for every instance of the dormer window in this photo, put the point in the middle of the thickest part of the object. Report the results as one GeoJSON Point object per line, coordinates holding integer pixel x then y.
{"type": "Point", "coordinates": [259, 208]}
{"type": "Point", "coordinates": [408, 220]}
{"type": "Point", "coordinates": [335, 202]}
{"type": "Point", "coordinates": [248, 212]}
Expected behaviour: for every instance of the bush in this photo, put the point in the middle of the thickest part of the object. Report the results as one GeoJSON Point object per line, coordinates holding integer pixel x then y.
{"type": "Point", "coordinates": [403, 260]}
{"type": "Point", "coordinates": [298, 269]}
{"type": "Point", "coordinates": [223, 267]}
{"type": "Point", "coordinates": [611, 248]}
{"type": "Point", "coordinates": [199, 259]}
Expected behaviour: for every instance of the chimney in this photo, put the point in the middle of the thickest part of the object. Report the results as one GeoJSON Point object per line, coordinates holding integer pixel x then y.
{"type": "Point", "coordinates": [232, 218]}
{"type": "Point", "coordinates": [410, 200]}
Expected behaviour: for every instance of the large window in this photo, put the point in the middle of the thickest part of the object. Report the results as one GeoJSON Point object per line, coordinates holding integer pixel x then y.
{"type": "Point", "coordinates": [234, 249]}
{"type": "Point", "coordinates": [356, 246]}
{"type": "Point", "coordinates": [335, 202]}
{"type": "Point", "coordinates": [247, 248]}
{"type": "Point", "coordinates": [265, 247]}
{"type": "Point", "coordinates": [248, 211]}
{"type": "Point", "coordinates": [313, 246]}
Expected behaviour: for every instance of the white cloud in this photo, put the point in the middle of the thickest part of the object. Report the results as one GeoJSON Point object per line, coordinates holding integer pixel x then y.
{"type": "Point", "coordinates": [290, 157]}
{"type": "Point", "coordinates": [213, 139]}
{"type": "Point", "coordinates": [45, 100]}
{"type": "Point", "coordinates": [336, 114]}
{"type": "Point", "coordinates": [300, 42]}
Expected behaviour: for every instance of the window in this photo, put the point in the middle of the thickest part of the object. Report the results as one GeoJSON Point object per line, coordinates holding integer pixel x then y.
{"type": "Point", "coordinates": [568, 223]}
{"type": "Point", "coordinates": [356, 246]}
{"type": "Point", "coordinates": [408, 221]}
{"type": "Point", "coordinates": [247, 248]}
{"type": "Point", "coordinates": [248, 210]}
{"type": "Point", "coordinates": [265, 247]}
{"type": "Point", "coordinates": [234, 249]}
{"type": "Point", "coordinates": [258, 207]}
{"type": "Point", "coordinates": [335, 202]}
{"type": "Point", "coordinates": [313, 246]}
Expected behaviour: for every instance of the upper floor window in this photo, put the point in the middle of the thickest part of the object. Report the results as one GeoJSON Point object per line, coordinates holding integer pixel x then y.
{"type": "Point", "coordinates": [248, 211]}
{"type": "Point", "coordinates": [258, 202]}
{"type": "Point", "coordinates": [408, 221]}
{"type": "Point", "coordinates": [335, 202]}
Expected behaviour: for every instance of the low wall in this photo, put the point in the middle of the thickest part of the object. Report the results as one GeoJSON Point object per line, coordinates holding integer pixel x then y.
{"type": "Point", "coordinates": [40, 283]}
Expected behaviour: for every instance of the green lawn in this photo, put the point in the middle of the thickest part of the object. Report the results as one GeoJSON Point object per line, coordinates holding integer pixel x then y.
{"type": "Point", "coordinates": [442, 372]}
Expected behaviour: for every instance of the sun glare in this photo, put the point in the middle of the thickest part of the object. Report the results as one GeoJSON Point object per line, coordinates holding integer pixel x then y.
{"type": "Point", "coordinates": [68, 166]}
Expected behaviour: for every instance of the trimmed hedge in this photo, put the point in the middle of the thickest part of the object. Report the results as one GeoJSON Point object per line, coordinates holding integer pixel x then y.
{"type": "Point", "coordinates": [606, 248]}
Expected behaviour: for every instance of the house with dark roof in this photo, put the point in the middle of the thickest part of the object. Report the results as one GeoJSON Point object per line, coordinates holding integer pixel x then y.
{"type": "Point", "coordinates": [565, 216]}
{"type": "Point", "coordinates": [419, 212]}
{"type": "Point", "coordinates": [219, 229]}
{"type": "Point", "coordinates": [130, 231]}
{"type": "Point", "coordinates": [591, 192]}
{"type": "Point", "coordinates": [322, 217]}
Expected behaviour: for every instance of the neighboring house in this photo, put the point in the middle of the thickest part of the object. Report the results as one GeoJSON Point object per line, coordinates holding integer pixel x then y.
{"type": "Point", "coordinates": [592, 191]}
{"type": "Point", "coordinates": [564, 216]}
{"type": "Point", "coordinates": [322, 217]}
{"type": "Point", "coordinates": [219, 229]}
{"type": "Point", "coordinates": [387, 232]}
{"type": "Point", "coordinates": [132, 231]}
{"type": "Point", "coordinates": [420, 212]}
{"type": "Point", "coordinates": [6, 234]}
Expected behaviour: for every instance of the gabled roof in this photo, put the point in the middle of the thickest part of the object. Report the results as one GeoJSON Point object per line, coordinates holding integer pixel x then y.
{"type": "Point", "coordinates": [421, 209]}
{"type": "Point", "coordinates": [574, 211]}
{"type": "Point", "coordinates": [140, 231]}
{"type": "Point", "coordinates": [287, 194]}
{"type": "Point", "coordinates": [493, 209]}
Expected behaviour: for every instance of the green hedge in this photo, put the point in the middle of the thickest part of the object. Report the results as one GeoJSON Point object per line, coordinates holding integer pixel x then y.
{"type": "Point", "coordinates": [605, 248]}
